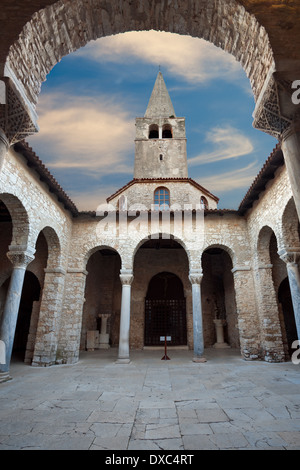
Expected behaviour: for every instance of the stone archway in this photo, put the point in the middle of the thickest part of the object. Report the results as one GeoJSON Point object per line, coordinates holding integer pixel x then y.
{"type": "Point", "coordinates": [19, 219]}
{"type": "Point", "coordinates": [165, 311]}
{"type": "Point", "coordinates": [65, 26]}
{"type": "Point", "coordinates": [155, 256]}
{"type": "Point", "coordinates": [218, 297]}
{"type": "Point", "coordinates": [271, 328]}
{"type": "Point", "coordinates": [102, 300]}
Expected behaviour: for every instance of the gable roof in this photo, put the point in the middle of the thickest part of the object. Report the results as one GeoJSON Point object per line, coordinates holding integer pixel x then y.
{"type": "Point", "coordinates": [161, 180]}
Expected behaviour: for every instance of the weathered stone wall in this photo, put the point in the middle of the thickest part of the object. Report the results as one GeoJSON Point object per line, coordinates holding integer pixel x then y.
{"type": "Point", "coordinates": [264, 221]}
{"type": "Point", "coordinates": [35, 211]}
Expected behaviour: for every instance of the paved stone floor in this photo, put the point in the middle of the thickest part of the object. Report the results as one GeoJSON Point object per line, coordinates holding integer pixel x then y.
{"type": "Point", "coordinates": [150, 404]}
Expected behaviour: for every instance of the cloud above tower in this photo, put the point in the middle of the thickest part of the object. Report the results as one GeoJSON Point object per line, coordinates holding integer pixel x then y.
{"type": "Point", "coordinates": [196, 60]}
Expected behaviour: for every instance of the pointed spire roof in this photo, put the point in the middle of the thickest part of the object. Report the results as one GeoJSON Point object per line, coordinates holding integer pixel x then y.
{"type": "Point", "coordinates": [160, 104]}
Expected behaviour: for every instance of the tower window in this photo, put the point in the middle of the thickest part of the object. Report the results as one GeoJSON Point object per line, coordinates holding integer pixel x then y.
{"type": "Point", "coordinates": [153, 131]}
{"type": "Point", "coordinates": [203, 203]}
{"type": "Point", "coordinates": [167, 132]}
{"type": "Point", "coordinates": [161, 157]}
{"type": "Point", "coordinates": [162, 199]}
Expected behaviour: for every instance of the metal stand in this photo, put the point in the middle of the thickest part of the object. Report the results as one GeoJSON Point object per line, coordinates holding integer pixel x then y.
{"type": "Point", "coordinates": [165, 357]}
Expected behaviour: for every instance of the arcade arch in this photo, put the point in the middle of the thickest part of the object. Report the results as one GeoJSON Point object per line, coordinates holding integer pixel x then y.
{"type": "Point", "coordinates": [102, 299]}
{"type": "Point", "coordinates": [228, 25]}
{"type": "Point", "coordinates": [218, 297]}
{"type": "Point", "coordinates": [160, 260]}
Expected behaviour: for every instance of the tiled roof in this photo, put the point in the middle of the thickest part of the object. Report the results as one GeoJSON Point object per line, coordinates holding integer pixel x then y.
{"type": "Point", "coordinates": [34, 162]}
{"type": "Point", "coordinates": [273, 162]}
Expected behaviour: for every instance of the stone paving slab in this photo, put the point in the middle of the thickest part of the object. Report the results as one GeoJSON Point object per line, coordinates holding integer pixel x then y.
{"type": "Point", "coordinates": [152, 405]}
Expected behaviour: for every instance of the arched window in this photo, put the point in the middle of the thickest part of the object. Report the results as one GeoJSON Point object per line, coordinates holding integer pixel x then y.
{"type": "Point", "coordinates": [203, 203]}
{"type": "Point", "coordinates": [167, 132]}
{"type": "Point", "coordinates": [153, 131]}
{"type": "Point", "coordinates": [162, 199]}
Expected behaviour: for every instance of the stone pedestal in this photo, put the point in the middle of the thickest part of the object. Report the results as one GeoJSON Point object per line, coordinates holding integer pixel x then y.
{"type": "Point", "coordinates": [92, 340]}
{"type": "Point", "coordinates": [104, 336]}
{"type": "Point", "coordinates": [219, 325]}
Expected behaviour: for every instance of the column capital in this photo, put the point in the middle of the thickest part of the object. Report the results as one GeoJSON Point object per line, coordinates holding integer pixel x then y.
{"type": "Point", "coordinates": [126, 277]}
{"type": "Point", "coordinates": [18, 118]}
{"type": "Point", "coordinates": [195, 277]}
{"type": "Point", "coordinates": [276, 111]}
{"type": "Point", "coordinates": [290, 255]}
{"type": "Point", "coordinates": [20, 258]}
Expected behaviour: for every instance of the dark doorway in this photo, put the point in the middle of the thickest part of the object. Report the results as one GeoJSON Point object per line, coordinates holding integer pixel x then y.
{"type": "Point", "coordinates": [165, 311]}
{"type": "Point", "coordinates": [285, 299]}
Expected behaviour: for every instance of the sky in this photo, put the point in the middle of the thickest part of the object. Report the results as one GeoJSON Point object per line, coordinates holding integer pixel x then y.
{"type": "Point", "coordinates": [88, 105]}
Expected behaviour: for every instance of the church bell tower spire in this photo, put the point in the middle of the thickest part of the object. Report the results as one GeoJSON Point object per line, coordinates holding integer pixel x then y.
{"type": "Point", "coordinates": [160, 144]}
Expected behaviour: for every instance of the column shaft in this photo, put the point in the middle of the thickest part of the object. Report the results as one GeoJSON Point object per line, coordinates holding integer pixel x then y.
{"type": "Point", "coordinates": [196, 279]}
{"type": "Point", "coordinates": [123, 357]}
{"type": "Point", "coordinates": [291, 257]}
{"type": "Point", "coordinates": [294, 281]}
{"type": "Point", "coordinates": [20, 261]}
{"type": "Point", "coordinates": [291, 151]}
{"type": "Point", "coordinates": [4, 145]}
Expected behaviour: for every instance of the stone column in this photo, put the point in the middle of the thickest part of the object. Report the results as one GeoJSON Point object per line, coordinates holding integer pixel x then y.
{"type": "Point", "coordinates": [4, 146]}
{"type": "Point", "coordinates": [195, 279]}
{"type": "Point", "coordinates": [277, 114]}
{"type": "Point", "coordinates": [290, 144]}
{"type": "Point", "coordinates": [20, 260]}
{"type": "Point", "coordinates": [291, 257]}
{"type": "Point", "coordinates": [126, 280]}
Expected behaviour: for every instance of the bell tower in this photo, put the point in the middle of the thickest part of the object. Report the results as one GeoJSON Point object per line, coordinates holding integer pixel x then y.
{"type": "Point", "coordinates": [160, 143]}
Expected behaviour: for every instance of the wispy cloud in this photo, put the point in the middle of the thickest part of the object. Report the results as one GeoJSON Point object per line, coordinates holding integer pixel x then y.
{"type": "Point", "coordinates": [194, 59]}
{"type": "Point", "coordinates": [90, 199]}
{"type": "Point", "coordinates": [228, 142]}
{"type": "Point", "coordinates": [84, 133]}
{"type": "Point", "coordinates": [231, 180]}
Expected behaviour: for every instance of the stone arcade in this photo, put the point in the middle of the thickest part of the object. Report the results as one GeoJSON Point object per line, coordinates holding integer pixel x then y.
{"type": "Point", "coordinates": [167, 260]}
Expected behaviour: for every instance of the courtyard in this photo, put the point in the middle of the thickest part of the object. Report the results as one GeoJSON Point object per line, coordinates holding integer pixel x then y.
{"type": "Point", "coordinates": [152, 404]}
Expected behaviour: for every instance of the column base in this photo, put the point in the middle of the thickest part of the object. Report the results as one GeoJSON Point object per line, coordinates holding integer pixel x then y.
{"type": "Point", "coordinates": [199, 359]}
{"type": "Point", "coordinates": [124, 360]}
{"type": "Point", "coordinates": [4, 377]}
{"type": "Point", "coordinates": [221, 345]}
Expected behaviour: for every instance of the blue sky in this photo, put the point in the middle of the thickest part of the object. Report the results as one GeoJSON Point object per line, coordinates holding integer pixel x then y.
{"type": "Point", "coordinates": [89, 102]}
